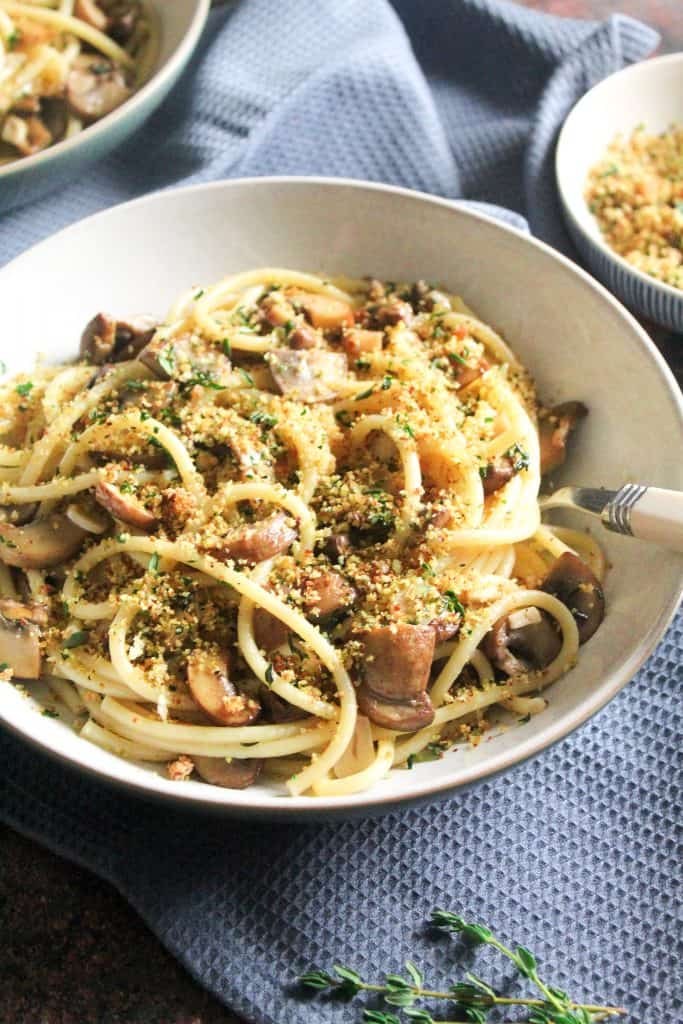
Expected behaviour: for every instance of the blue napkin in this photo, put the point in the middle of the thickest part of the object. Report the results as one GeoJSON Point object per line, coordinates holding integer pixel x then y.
{"type": "Point", "coordinates": [573, 853]}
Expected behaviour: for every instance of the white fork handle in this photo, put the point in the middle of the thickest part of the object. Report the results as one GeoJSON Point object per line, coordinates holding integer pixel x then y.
{"type": "Point", "coordinates": [656, 515]}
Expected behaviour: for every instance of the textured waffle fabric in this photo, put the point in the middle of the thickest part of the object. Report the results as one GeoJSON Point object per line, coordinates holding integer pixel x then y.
{"type": "Point", "coordinates": [574, 853]}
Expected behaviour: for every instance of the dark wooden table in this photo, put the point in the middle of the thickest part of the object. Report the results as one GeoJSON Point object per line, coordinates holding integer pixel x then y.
{"type": "Point", "coordinates": [69, 944]}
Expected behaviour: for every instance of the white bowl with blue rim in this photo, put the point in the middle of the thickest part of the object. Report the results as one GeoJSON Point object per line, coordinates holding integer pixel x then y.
{"type": "Point", "coordinates": [651, 94]}
{"type": "Point", "coordinates": [180, 24]}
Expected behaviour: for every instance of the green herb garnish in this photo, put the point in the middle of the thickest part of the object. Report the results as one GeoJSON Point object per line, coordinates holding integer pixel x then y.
{"type": "Point", "coordinates": [470, 1000]}
{"type": "Point", "coordinates": [76, 639]}
{"type": "Point", "coordinates": [24, 389]}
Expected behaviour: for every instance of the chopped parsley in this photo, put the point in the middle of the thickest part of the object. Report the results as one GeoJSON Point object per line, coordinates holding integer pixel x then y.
{"type": "Point", "coordinates": [246, 377]}
{"type": "Point", "coordinates": [264, 419]}
{"type": "Point", "coordinates": [167, 360]}
{"type": "Point", "coordinates": [76, 639]}
{"type": "Point", "coordinates": [453, 602]}
{"type": "Point", "coordinates": [154, 563]}
{"type": "Point", "coordinates": [24, 389]}
{"type": "Point", "coordinates": [519, 457]}
{"type": "Point", "coordinates": [269, 675]}
{"type": "Point", "coordinates": [432, 752]}
{"type": "Point", "coordinates": [227, 348]}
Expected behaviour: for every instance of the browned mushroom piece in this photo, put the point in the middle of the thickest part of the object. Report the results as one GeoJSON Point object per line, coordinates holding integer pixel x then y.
{"type": "Point", "coordinates": [18, 514]}
{"type": "Point", "coordinates": [403, 716]}
{"type": "Point", "coordinates": [277, 311]}
{"type": "Point", "coordinates": [21, 611]}
{"type": "Point", "coordinates": [207, 677]}
{"type": "Point", "coordinates": [20, 647]}
{"type": "Point", "coordinates": [397, 660]}
{"type": "Point", "coordinates": [358, 342]}
{"type": "Point", "coordinates": [108, 340]}
{"type": "Point", "coordinates": [269, 631]}
{"type": "Point", "coordinates": [391, 313]}
{"type": "Point", "coordinates": [27, 134]}
{"type": "Point", "coordinates": [465, 374]}
{"type": "Point", "coordinates": [323, 310]}
{"type": "Point", "coordinates": [313, 375]}
{"type": "Point", "coordinates": [526, 640]}
{"type": "Point", "coordinates": [125, 507]}
{"type": "Point", "coordinates": [99, 338]}
{"type": "Point", "coordinates": [572, 582]}
{"type": "Point", "coordinates": [278, 710]}
{"type": "Point", "coordinates": [254, 542]}
{"type": "Point", "coordinates": [122, 18]}
{"type": "Point", "coordinates": [327, 595]}
{"type": "Point", "coordinates": [446, 626]}
{"type": "Point", "coordinates": [496, 474]}
{"type": "Point", "coordinates": [553, 430]}
{"type": "Point", "coordinates": [95, 86]}
{"type": "Point", "coordinates": [336, 546]}
{"type": "Point", "coordinates": [236, 773]}
{"type": "Point", "coordinates": [303, 337]}
{"type": "Point", "coordinates": [40, 544]}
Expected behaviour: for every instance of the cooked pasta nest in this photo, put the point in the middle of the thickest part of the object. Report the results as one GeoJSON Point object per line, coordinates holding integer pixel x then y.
{"type": "Point", "coordinates": [293, 529]}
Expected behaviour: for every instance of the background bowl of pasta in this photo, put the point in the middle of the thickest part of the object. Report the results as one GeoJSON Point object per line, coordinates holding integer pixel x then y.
{"type": "Point", "coordinates": [79, 77]}
{"type": "Point", "coordinates": [635, 191]}
{"type": "Point", "coordinates": [299, 543]}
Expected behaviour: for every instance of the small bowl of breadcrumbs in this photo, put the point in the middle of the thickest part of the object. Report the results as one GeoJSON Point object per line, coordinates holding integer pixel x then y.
{"type": "Point", "coordinates": [619, 168]}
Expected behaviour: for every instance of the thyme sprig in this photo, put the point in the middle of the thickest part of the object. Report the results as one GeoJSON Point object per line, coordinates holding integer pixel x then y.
{"type": "Point", "coordinates": [471, 1000]}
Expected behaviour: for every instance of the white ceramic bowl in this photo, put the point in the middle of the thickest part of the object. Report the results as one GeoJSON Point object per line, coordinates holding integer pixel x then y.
{"type": "Point", "coordinates": [650, 93]}
{"type": "Point", "coordinates": [578, 341]}
{"type": "Point", "coordinates": [180, 23]}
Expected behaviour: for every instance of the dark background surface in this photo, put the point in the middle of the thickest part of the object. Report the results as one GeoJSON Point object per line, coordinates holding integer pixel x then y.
{"type": "Point", "coordinates": [65, 935]}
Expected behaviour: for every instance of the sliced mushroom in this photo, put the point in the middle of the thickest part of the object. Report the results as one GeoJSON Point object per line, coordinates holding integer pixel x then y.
{"type": "Point", "coordinates": [277, 311]}
{"type": "Point", "coordinates": [326, 595]}
{"type": "Point", "coordinates": [403, 716]}
{"type": "Point", "coordinates": [269, 631]}
{"type": "Point", "coordinates": [257, 541]}
{"type": "Point", "coordinates": [336, 546]}
{"type": "Point", "coordinates": [572, 582]}
{"type": "Point", "coordinates": [108, 340]}
{"type": "Point", "coordinates": [465, 374]}
{"type": "Point", "coordinates": [390, 313]}
{"type": "Point", "coordinates": [446, 626]}
{"type": "Point", "coordinates": [41, 544]}
{"type": "Point", "coordinates": [553, 430]}
{"type": "Point", "coordinates": [123, 17]}
{"type": "Point", "coordinates": [20, 611]}
{"type": "Point", "coordinates": [20, 647]}
{"type": "Point", "coordinates": [303, 337]}
{"type": "Point", "coordinates": [95, 86]}
{"type": "Point", "coordinates": [18, 514]}
{"type": "Point", "coordinates": [524, 641]}
{"type": "Point", "coordinates": [207, 677]}
{"type": "Point", "coordinates": [27, 134]}
{"type": "Point", "coordinates": [174, 357]}
{"type": "Point", "coordinates": [125, 507]}
{"type": "Point", "coordinates": [323, 310]}
{"type": "Point", "coordinates": [397, 660]}
{"type": "Point", "coordinates": [358, 342]}
{"type": "Point", "coordinates": [496, 474]}
{"type": "Point", "coordinates": [277, 709]}
{"type": "Point", "coordinates": [237, 773]}
{"type": "Point", "coordinates": [314, 375]}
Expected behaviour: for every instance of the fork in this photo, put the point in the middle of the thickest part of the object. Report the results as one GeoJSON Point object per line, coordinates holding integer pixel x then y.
{"type": "Point", "coordinates": [648, 513]}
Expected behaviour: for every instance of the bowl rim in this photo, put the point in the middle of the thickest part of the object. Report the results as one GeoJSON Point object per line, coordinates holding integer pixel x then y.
{"type": "Point", "coordinates": [157, 80]}
{"type": "Point", "coordinates": [271, 806]}
{"type": "Point", "coordinates": [651, 64]}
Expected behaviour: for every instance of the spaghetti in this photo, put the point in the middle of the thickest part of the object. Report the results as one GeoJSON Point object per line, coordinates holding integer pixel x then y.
{"type": "Point", "coordinates": [65, 64]}
{"type": "Point", "coordinates": [294, 528]}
